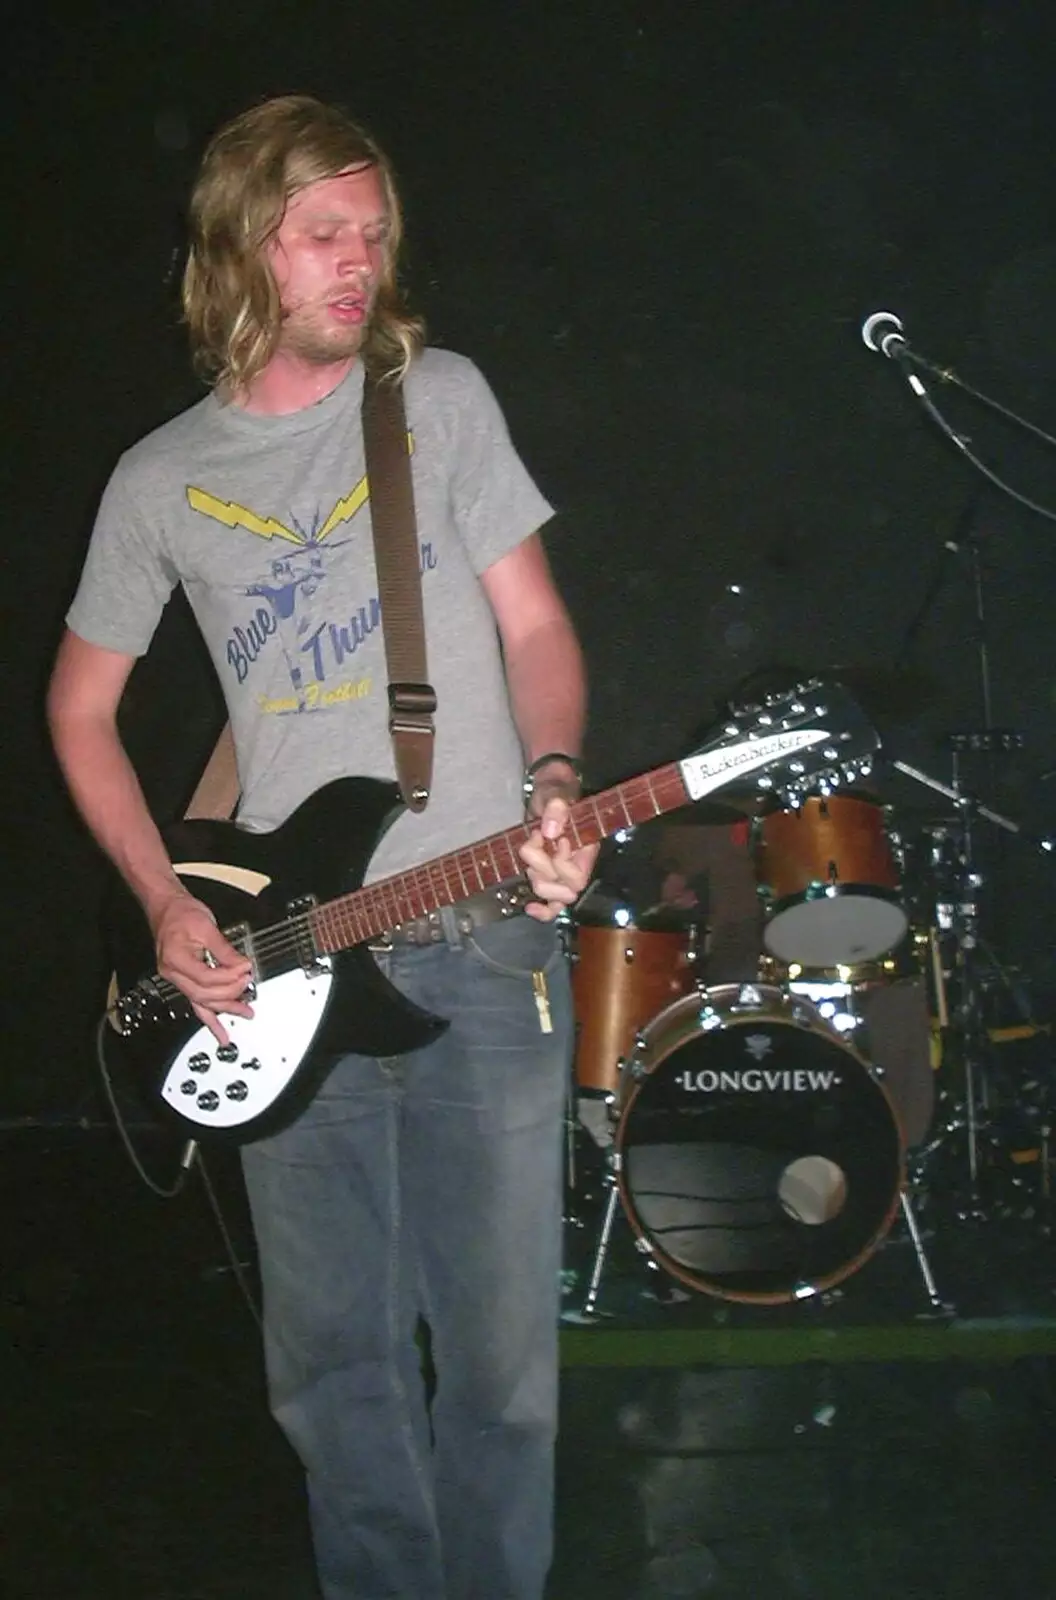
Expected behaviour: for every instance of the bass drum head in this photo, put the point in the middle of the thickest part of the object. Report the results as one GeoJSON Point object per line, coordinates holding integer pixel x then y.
{"type": "Point", "coordinates": [759, 1160]}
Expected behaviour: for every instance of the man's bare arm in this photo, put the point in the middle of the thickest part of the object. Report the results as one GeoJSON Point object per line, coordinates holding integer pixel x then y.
{"type": "Point", "coordinates": [85, 691]}
{"type": "Point", "coordinates": [548, 695]}
{"type": "Point", "coordinates": [544, 664]}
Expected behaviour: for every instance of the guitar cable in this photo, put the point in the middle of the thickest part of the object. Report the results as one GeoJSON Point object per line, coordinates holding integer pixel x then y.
{"type": "Point", "coordinates": [190, 1150]}
{"type": "Point", "coordinates": [190, 1158]}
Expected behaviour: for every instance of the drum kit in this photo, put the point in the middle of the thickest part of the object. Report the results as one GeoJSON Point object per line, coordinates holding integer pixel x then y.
{"type": "Point", "coordinates": [761, 1136]}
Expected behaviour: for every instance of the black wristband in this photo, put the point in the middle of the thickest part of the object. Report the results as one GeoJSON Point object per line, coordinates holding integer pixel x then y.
{"type": "Point", "coordinates": [530, 772]}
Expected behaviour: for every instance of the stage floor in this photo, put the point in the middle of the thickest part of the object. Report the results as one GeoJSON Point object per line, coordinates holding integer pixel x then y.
{"type": "Point", "coordinates": [863, 1444]}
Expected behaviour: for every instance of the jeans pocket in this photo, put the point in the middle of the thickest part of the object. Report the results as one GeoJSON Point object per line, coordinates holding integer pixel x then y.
{"type": "Point", "coordinates": [517, 948]}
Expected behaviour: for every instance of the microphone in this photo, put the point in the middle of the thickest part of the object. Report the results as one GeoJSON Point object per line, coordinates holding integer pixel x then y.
{"type": "Point", "coordinates": [882, 333]}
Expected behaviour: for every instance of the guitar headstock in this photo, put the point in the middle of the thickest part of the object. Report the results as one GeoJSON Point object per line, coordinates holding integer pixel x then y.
{"type": "Point", "coordinates": [814, 738]}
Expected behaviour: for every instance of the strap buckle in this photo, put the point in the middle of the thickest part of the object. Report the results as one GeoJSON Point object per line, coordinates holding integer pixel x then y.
{"type": "Point", "coordinates": [412, 707]}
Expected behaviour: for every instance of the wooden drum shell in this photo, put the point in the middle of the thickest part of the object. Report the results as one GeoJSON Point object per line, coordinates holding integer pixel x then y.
{"type": "Point", "coordinates": [621, 979]}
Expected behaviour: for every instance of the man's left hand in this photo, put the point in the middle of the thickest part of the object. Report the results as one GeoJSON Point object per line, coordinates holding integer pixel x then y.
{"type": "Point", "coordinates": [557, 872]}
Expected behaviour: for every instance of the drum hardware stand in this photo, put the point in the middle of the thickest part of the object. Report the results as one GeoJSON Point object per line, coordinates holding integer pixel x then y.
{"type": "Point", "coordinates": [972, 1113]}
{"type": "Point", "coordinates": [590, 1303]}
{"type": "Point", "coordinates": [572, 1216]}
{"type": "Point", "coordinates": [938, 1306]}
{"type": "Point", "coordinates": [589, 1311]}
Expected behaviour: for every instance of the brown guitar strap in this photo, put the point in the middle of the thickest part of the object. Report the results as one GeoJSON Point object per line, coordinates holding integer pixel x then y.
{"type": "Point", "coordinates": [217, 791]}
{"type": "Point", "coordinates": [412, 700]}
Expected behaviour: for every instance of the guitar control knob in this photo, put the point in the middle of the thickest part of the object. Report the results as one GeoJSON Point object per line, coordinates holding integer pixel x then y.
{"type": "Point", "coordinates": [188, 1086]}
{"type": "Point", "coordinates": [252, 1065]}
{"type": "Point", "coordinates": [237, 1090]}
{"type": "Point", "coordinates": [209, 1100]}
{"type": "Point", "coordinates": [227, 1052]}
{"type": "Point", "coordinates": [199, 1062]}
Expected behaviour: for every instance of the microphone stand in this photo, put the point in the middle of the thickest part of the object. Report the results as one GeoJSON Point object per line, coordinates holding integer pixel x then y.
{"type": "Point", "coordinates": [951, 547]}
{"type": "Point", "coordinates": [883, 333]}
{"type": "Point", "coordinates": [965, 538]}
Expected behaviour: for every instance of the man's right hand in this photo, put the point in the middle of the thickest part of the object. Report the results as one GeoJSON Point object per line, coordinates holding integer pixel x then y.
{"type": "Point", "coordinates": [194, 955]}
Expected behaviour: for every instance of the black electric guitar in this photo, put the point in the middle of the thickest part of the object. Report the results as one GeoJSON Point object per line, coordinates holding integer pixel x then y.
{"type": "Point", "coordinates": [292, 901]}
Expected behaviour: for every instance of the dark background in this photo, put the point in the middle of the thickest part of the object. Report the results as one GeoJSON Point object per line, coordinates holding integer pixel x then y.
{"type": "Point", "coordinates": [657, 227]}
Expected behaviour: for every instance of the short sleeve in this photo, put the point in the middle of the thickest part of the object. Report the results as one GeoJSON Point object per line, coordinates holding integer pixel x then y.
{"type": "Point", "coordinates": [495, 500]}
{"type": "Point", "coordinates": [127, 577]}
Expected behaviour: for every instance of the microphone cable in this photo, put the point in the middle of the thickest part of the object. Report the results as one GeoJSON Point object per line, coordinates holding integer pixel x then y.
{"type": "Point", "coordinates": [892, 344]}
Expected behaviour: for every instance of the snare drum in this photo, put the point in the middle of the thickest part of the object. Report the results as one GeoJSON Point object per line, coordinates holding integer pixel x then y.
{"type": "Point", "coordinates": [759, 1159]}
{"type": "Point", "coordinates": [829, 882]}
{"type": "Point", "coordinates": [622, 976]}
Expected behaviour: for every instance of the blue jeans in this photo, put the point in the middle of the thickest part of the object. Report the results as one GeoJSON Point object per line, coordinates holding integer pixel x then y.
{"type": "Point", "coordinates": [427, 1186]}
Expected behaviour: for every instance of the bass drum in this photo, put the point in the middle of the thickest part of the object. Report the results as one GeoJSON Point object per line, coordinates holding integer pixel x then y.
{"type": "Point", "coordinates": [758, 1157]}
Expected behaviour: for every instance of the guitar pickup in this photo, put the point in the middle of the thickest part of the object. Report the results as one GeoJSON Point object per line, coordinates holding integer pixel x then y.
{"type": "Point", "coordinates": [241, 936]}
{"type": "Point", "coordinates": [310, 959]}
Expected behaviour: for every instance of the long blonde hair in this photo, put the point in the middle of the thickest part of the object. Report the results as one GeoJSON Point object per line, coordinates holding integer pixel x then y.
{"type": "Point", "coordinates": [248, 173]}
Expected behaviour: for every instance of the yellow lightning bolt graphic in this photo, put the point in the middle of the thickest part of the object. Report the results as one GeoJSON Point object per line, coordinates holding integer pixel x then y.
{"type": "Point", "coordinates": [345, 509]}
{"type": "Point", "coordinates": [232, 515]}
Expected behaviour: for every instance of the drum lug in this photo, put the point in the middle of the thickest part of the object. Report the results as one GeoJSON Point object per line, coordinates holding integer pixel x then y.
{"type": "Point", "coordinates": [633, 1065]}
{"type": "Point", "coordinates": [707, 1016]}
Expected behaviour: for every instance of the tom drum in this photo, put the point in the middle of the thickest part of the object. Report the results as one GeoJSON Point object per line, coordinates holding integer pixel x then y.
{"type": "Point", "coordinates": [621, 977]}
{"type": "Point", "coordinates": [829, 882]}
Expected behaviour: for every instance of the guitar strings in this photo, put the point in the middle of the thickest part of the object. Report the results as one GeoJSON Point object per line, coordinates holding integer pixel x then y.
{"type": "Point", "coordinates": [655, 792]}
{"type": "Point", "coordinates": [391, 901]}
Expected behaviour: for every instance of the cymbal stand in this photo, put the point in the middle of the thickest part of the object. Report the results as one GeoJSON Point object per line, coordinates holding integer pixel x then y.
{"type": "Point", "coordinates": [960, 918]}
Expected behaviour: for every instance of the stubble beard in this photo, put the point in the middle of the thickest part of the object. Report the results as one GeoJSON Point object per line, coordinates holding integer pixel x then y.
{"type": "Point", "coordinates": [306, 335]}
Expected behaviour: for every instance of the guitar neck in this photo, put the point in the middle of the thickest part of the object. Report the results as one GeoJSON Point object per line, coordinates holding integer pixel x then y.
{"type": "Point", "coordinates": [379, 907]}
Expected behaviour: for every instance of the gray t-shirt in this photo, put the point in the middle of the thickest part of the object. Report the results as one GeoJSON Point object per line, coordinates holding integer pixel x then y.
{"type": "Point", "coordinates": [265, 521]}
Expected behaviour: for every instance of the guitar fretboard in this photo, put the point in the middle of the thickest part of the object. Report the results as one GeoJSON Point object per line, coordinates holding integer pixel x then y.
{"type": "Point", "coordinates": [366, 913]}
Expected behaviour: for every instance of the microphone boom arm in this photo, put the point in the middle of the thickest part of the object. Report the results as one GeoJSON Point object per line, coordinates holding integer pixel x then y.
{"type": "Point", "coordinates": [882, 333]}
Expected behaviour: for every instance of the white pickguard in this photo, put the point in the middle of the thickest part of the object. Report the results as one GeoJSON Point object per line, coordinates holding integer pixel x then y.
{"type": "Point", "coordinates": [216, 1093]}
{"type": "Point", "coordinates": [243, 878]}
